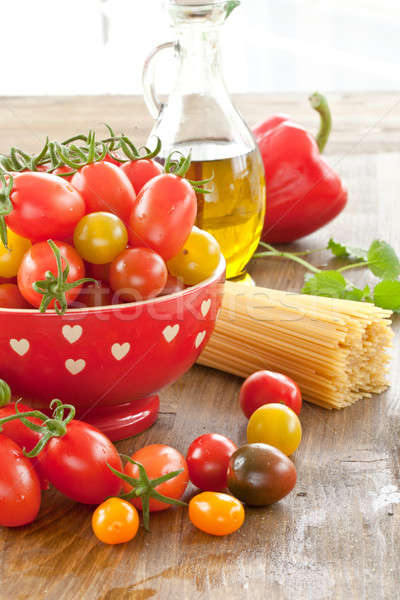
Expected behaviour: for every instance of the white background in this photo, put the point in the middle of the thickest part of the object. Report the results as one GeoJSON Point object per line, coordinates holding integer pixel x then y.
{"type": "Point", "coordinates": [98, 46]}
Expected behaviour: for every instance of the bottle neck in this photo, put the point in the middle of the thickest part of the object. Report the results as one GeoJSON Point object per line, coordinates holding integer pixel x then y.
{"type": "Point", "coordinates": [199, 56]}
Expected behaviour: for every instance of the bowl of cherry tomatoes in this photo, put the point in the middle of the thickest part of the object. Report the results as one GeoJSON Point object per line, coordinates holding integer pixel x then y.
{"type": "Point", "coordinates": [108, 290]}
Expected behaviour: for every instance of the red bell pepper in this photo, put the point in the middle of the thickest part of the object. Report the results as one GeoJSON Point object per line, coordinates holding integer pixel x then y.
{"type": "Point", "coordinates": [303, 191]}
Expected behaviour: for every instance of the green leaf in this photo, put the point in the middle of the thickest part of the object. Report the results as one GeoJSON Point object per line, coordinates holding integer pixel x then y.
{"type": "Point", "coordinates": [383, 260]}
{"type": "Point", "coordinates": [387, 295]}
{"type": "Point", "coordinates": [353, 294]}
{"type": "Point", "coordinates": [342, 251]}
{"type": "Point", "coordinates": [327, 283]}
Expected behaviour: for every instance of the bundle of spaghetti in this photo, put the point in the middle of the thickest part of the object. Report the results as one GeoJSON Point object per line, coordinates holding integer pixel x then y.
{"type": "Point", "coordinates": [336, 350]}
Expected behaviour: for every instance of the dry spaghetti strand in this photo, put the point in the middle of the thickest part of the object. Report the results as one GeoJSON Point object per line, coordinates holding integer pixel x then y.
{"type": "Point", "coordinates": [336, 350]}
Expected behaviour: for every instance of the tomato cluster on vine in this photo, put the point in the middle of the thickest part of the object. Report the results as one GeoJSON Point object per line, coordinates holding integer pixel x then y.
{"type": "Point", "coordinates": [87, 215]}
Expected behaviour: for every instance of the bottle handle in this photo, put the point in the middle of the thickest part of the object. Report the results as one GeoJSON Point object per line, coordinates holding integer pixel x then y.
{"type": "Point", "coordinates": [149, 90]}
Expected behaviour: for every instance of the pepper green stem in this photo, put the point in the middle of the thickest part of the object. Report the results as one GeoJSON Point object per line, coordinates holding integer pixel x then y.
{"type": "Point", "coordinates": [320, 104]}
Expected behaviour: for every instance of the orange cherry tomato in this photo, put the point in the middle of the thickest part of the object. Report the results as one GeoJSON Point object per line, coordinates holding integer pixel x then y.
{"type": "Point", "coordinates": [115, 521]}
{"type": "Point", "coordinates": [216, 513]}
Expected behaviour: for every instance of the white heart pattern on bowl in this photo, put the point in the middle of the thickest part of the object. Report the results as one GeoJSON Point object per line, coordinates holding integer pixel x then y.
{"type": "Point", "coordinates": [205, 307]}
{"type": "Point", "coordinates": [170, 332]}
{"type": "Point", "coordinates": [199, 339]}
{"type": "Point", "coordinates": [21, 347]}
{"type": "Point", "coordinates": [72, 334]}
{"type": "Point", "coordinates": [75, 366]}
{"type": "Point", "coordinates": [119, 351]}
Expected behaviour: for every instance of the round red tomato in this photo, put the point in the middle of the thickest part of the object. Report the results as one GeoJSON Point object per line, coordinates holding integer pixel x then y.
{"type": "Point", "coordinates": [105, 188]}
{"type": "Point", "coordinates": [163, 215]}
{"type": "Point", "coordinates": [19, 486]}
{"type": "Point", "coordinates": [40, 259]}
{"type": "Point", "coordinates": [44, 206]}
{"type": "Point", "coordinates": [10, 297]}
{"type": "Point", "coordinates": [159, 460]}
{"type": "Point", "coordinates": [208, 459]}
{"type": "Point", "coordinates": [265, 387]}
{"type": "Point", "coordinates": [138, 274]}
{"type": "Point", "coordinates": [141, 171]}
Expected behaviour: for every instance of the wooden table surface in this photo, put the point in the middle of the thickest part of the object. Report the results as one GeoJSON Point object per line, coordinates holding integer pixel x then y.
{"type": "Point", "coordinates": [336, 536]}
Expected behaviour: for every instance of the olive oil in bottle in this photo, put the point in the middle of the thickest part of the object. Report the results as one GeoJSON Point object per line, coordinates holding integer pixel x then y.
{"type": "Point", "coordinates": [233, 211]}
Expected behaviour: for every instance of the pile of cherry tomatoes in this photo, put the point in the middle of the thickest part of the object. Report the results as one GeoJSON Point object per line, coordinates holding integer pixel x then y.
{"type": "Point", "coordinates": [83, 464]}
{"type": "Point", "coordinates": [87, 223]}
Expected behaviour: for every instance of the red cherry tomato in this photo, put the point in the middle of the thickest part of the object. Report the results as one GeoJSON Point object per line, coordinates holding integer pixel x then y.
{"type": "Point", "coordinates": [10, 297]}
{"type": "Point", "coordinates": [23, 436]}
{"type": "Point", "coordinates": [138, 274]}
{"type": "Point", "coordinates": [99, 272]}
{"type": "Point", "coordinates": [173, 285]}
{"type": "Point", "coordinates": [39, 259]}
{"type": "Point", "coordinates": [44, 206]}
{"type": "Point", "coordinates": [264, 387]}
{"type": "Point", "coordinates": [158, 460]}
{"type": "Point", "coordinates": [105, 188]}
{"type": "Point", "coordinates": [93, 294]}
{"type": "Point", "coordinates": [76, 464]}
{"type": "Point", "coordinates": [141, 171]}
{"type": "Point", "coordinates": [163, 215]}
{"type": "Point", "coordinates": [208, 459]}
{"type": "Point", "coordinates": [19, 486]}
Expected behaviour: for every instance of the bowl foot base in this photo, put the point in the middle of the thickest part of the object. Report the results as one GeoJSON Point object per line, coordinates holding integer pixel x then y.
{"type": "Point", "coordinates": [125, 420]}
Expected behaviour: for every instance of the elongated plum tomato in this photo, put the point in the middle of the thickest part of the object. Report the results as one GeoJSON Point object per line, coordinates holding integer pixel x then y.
{"type": "Point", "coordinates": [198, 258]}
{"type": "Point", "coordinates": [141, 171]}
{"type": "Point", "coordinates": [76, 464]}
{"type": "Point", "coordinates": [276, 425]}
{"type": "Point", "coordinates": [115, 521]}
{"type": "Point", "coordinates": [138, 274]}
{"type": "Point", "coordinates": [19, 486]}
{"type": "Point", "coordinates": [163, 215]}
{"type": "Point", "coordinates": [216, 513]}
{"type": "Point", "coordinates": [259, 474]}
{"type": "Point", "coordinates": [23, 436]}
{"type": "Point", "coordinates": [100, 237]}
{"type": "Point", "coordinates": [11, 258]}
{"type": "Point", "coordinates": [105, 187]}
{"type": "Point", "coordinates": [39, 259]}
{"type": "Point", "coordinates": [11, 297]}
{"type": "Point", "coordinates": [264, 387]}
{"type": "Point", "coordinates": [158, 460]}
{"type": "Point", "coordinates": [44, 206]}
{"type": "Point", "coordinates": [208, 458]}
{"type": "Point", "coordinates": [63, 171]}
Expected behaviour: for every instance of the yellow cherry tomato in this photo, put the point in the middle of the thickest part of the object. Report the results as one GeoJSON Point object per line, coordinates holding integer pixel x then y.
{"type": "Point", "coordinates": [99, 237]}
{"type": "Point", "coordinates": [276, 425]}
{"type": "Point", "coordinates": [198, 258]}
{"type": "Point", "coordinates": [216, 513]}
{"type": "Point", "coordinates": [12, 258]}
{"type": "Point", "coordinates": [115, 521]}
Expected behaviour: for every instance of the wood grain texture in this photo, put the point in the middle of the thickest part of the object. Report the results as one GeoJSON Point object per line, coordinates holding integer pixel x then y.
{"type": "Point", "coordinates": [335, 537]}
{"type": "Point", "coordinates": [362, 123]}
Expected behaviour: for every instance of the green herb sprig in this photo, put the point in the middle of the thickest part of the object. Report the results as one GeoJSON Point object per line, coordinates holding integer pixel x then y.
{"type": "Point", "coordinates": [380, 258]}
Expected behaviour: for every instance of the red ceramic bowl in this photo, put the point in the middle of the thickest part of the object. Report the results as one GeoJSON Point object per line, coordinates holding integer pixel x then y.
{"type": "Point", "coordinates": [109, 362]}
